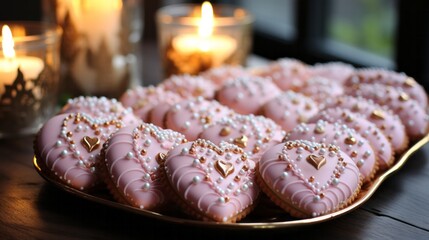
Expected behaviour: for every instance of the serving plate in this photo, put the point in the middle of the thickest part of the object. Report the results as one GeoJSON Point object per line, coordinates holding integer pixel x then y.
{"type": "Point", "coordinates": [265, 215]}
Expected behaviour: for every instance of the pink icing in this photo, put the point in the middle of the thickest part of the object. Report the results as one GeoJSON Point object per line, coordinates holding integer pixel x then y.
{"type": "Point", "coordinates": [337, 71]}
{"type": "Point", "coordinates": [60, 145]}
{"type": "Point", "coordinates": [131, 158]}
{"type": "Point", "coordinates": [289, 109]}
{"type": "Point", "coordinates": [287, 74]}
{"type": "Point", "coordinates": [246, 95]}
{"type": "Point", "coordinates": [388, 122]}
{"type": "Point", "coordinates": [189, 86]}
{"type": "Point", "coordinates": [255, 134]}
{"type": "Point", "coordinates": [101, 108]}
{"type": "Point", "coordinates": [157, 114]}
{"type": "Point", "coordinates": [322, 90]}
{"type": "Point", "coordinates": [391, 78]}
{"type": "Point", "coordinates": [192, 170]}
{"type": "Point", "coordinates": [143, 99]}
{"type": "Point", "coordinates": [412, 115]}
{"type": "Point", "coordinates": [349, 141]}
{"type": "Point", "coordinates": [220, 75]}
{"type": "Point", "coordinates": [190, 117]}
{"type": "Point", "coordinates": [314, 192]}
{"type": "Point", "coordinates": [368, 130]}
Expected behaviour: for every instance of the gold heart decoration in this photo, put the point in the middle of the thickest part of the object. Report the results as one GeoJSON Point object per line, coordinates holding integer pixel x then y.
{"type": "Point", "coordinates": [224, 168]}
{"type": "Point", "coordinates": [316, 161]}
{"type": "Point", "coordinates": [241, 141]}
{"type": "Point", "coordinates": [90, 144]}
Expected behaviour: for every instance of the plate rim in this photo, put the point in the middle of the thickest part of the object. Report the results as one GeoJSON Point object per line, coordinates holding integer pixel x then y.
{"type": "Point", "coordinates": [370, 190]}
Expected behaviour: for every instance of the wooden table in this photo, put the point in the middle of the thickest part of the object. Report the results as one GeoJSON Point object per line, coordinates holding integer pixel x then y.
{"type": "Point", "coordinates": [31, 208]}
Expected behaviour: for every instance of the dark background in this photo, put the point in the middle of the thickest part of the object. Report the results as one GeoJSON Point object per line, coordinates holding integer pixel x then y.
{"type": "Point", "coordinates": [411, 35]}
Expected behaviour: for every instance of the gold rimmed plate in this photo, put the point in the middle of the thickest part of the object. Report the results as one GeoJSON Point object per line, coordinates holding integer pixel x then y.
{"type": "Point", "coordinates": [265, 215]}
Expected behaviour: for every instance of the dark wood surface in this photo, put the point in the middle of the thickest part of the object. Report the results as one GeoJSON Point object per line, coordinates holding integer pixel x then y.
{"type": "Point", "coordinates": [31, 208]}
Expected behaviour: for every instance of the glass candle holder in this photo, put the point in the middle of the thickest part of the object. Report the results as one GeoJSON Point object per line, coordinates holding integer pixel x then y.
{"type": "Point", "coordinates": [99, 46]}
{"type": "Point", "coordinates": [194, 38]}
{"type": "Point", "coordinates": [29, 76]}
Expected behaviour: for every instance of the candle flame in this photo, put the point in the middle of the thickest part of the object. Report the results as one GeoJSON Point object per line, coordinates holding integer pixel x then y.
{"type": "Point", "coordinates": [205, 27]}
{"type": "Point", "coordinates": [7, 42]}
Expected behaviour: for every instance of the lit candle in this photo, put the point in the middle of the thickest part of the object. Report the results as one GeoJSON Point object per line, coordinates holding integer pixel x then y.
{"type": "Point", "coordinates": [219, 47]}
{"type": "Point", "coordinates": [30, 67]}
{"type": "Point", "coordinates": [95, 61]}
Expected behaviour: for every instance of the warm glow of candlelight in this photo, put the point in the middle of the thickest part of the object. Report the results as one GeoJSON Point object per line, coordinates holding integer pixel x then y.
{"type": "Point", "coordinates": [205, 27]}
{"type": "Point", "coordinates": [7, 42]}
{"type": "Point", "coordinates": [30, 66]}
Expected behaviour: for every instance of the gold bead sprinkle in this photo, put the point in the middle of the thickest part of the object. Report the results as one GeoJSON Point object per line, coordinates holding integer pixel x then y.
{"type": "Point", "coordinates": [350, 141]}
{"type": "Point", "coordinates": [377, 114]}
{"type": "Point", "coordinates": [225, 131]}
{"type": "Point", "coordinates": [160, 157]}
{"type": "Point", "coordinates": [410, 82]}
{"type": "Point", "coordinates": [403, 97]}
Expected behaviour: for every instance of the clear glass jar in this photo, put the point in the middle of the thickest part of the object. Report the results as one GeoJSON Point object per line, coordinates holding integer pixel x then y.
{"type": "Point", "coordinates": [100, 45]}
{"type": "Point", "coordinates": [186, 50]}
{"type": "Point", "coordinates": [29, 76]}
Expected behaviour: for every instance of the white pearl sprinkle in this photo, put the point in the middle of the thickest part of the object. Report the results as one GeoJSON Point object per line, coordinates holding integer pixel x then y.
{"type": "Point", "coordinates": [130, 155]}
{"type": "Point", "coordinates": [284, 175]}
{"type": "Point", "coordinates": [58, 143]}
{"type": "Point", "coordinates": [64, 153]}
{"type": "Point", "coordinates": [146, 186]}
{"type": "Point", "coordinates": [196, 180]}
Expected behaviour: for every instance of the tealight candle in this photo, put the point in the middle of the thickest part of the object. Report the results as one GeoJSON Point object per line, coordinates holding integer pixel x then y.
{"type": "Point", "coordinates": [29, 67]}
{"type": "Point", "coordinates": [191, 43]}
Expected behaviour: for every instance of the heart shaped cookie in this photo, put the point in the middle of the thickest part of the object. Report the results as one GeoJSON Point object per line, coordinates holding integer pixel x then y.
{"type": "Point", "coordinates": [352, 143]}
{"type": "Point", "coordinates": [308, 179]}
{"type": "Point", "coordinates": [69, 144]}
{"type": "Point", "coordinates": [191, 117]}
{"type": "Point", "coordinates": [254, 134]}
{"type": "Point", "coordinates": [211, 183]}
{"type": "Point", "coordinates": [130, 167]}
{"type": "Point", "coordinates": [101, 108]}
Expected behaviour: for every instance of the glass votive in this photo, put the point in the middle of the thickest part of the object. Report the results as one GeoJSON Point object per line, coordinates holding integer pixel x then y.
{"type": "Point", "coordinates": [29, 76]}
{"type": "Point", "coordinates": [100, 52]}
{"type": "Point", "coordinates": [194, 38]}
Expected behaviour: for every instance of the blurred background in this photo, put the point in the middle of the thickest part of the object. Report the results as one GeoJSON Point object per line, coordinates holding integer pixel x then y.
{"type": "Point", "coordinates": [366, 33]}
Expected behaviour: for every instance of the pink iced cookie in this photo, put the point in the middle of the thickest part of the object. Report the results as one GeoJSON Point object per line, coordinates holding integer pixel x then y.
{"type": "Point", "coordinates": [212, 183]}
{"type": "Point", "coordinates": [68, 145]}
{"type": "Point", "coordinates": [222, 74]}
{"type": "Point", "coordinates": [100, 108]}
{"type": "Point", "coordinates": [191, 117]}
{"type": "Point", "coordinates": [255, 134]}
{"type": "Point", "coordinates": [379, 142]}
{"type": "Point", "coordinates": [349, 141]}
{"type": "Point", "coordinates": [337, 71]}
{"type": "Point", "coordinates": [308, 179]}
{"type": "Point", "coordinates": [188, 86]}
{"type": "Point", "coordinates": [388, 122]}
{"type": "Point", "coordinates": [287, 74]}
{"type": "Point", "coordinates": [143, 99]}
{"type": "Point", "coordinates": [406, 83]}
{"type": "Point", "coordinates": [290, 109]}
{"type": "Point", "coordinates": [130, 167]}
{"type": "Point", "coordinates": [412, 115]}
{"type": "Point", "coordinates": [322, 90]}
{"type": "Point", "coordinates": [246, 95]}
